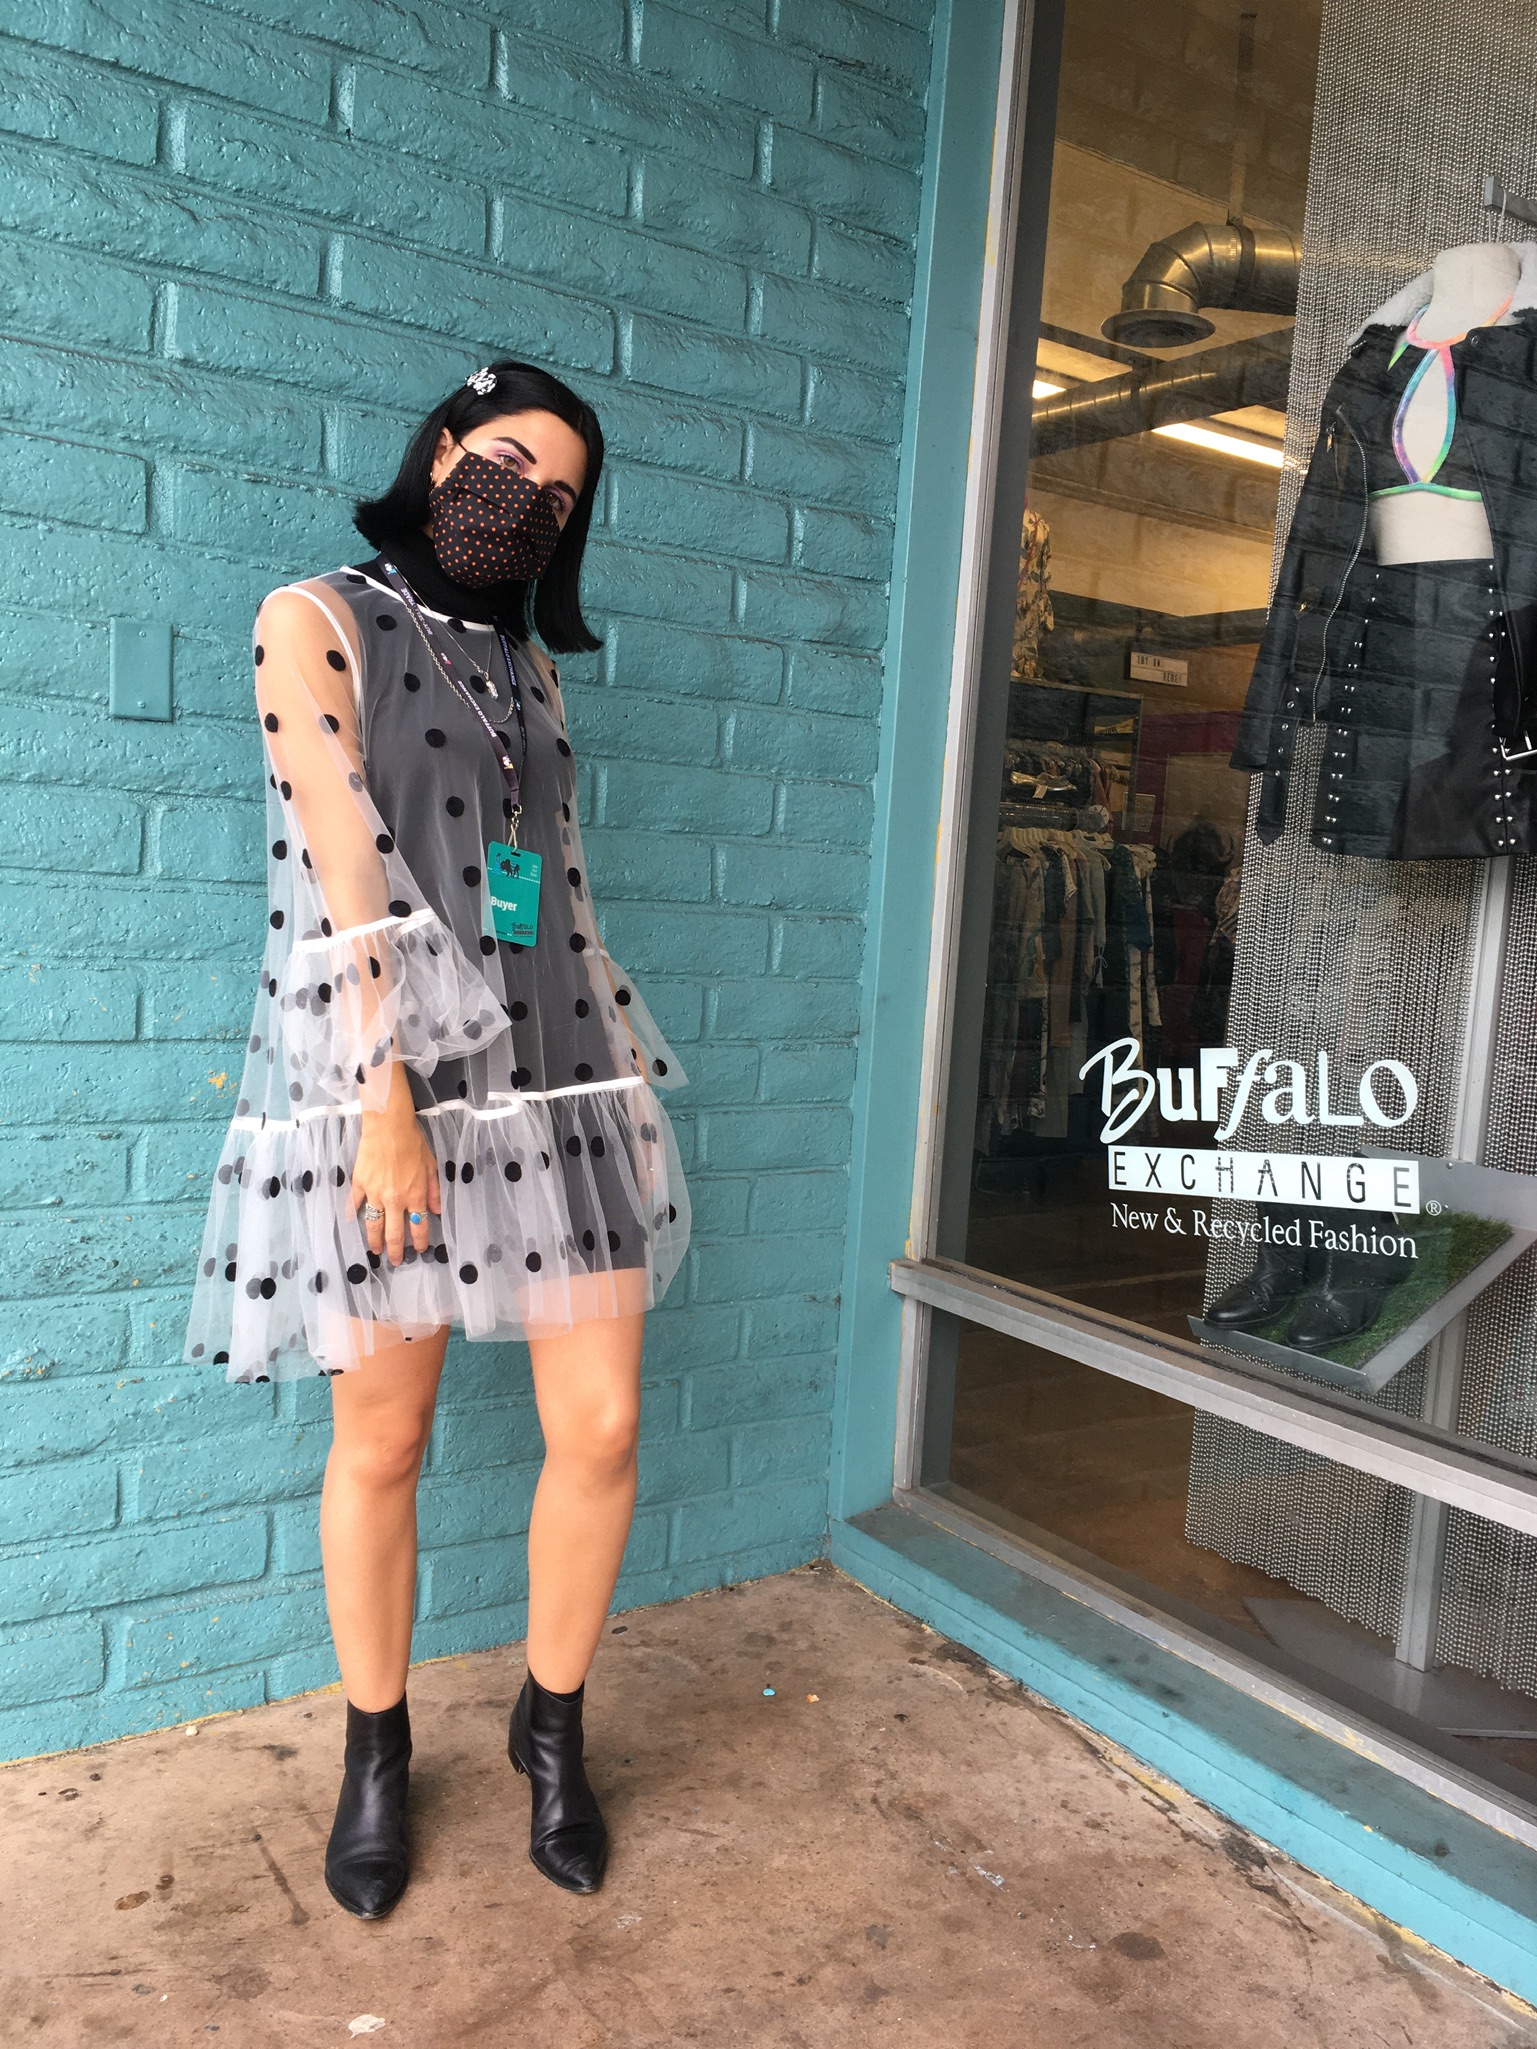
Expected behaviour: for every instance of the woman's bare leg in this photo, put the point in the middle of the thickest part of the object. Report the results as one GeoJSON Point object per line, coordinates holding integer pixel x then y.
{"type": "Point", "coordinates": [587, 1383]}
{"type": "Point", "coordinates": [381, 1420]}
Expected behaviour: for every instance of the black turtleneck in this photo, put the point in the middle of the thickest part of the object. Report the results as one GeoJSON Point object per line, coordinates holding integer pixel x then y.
{"type": "Point", "coordinates": [415, 557]}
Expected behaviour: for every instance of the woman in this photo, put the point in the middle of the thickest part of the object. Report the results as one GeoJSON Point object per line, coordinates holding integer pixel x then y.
{"type": "Point", "coordinates": [447, 1116]}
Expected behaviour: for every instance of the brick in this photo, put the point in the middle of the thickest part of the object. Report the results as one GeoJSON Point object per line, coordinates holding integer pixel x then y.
{"type": "Point", "coordinates": [710, 59]}
{"type": "Point", "coordinates": [64, 480]}
{"type": "Point", "coordinates": [51, 918]}
{"type": "Point", "coordinates": [778, 1136]}
{"type": "Point", "coordinates": [48, 1251]}
{"type": "Point", "coordinates": [42, 655]}
{"type": "Point", "coordinates": [844, 544]}
{"type": "Point", "coordinates": [93, 1084]}
{"type": "Point", "coordinates": [863, 263]}
{"type": "Point", "coordinates": [316, 351]}
{"type": "Point", "coordinates": [799, 878]}
{"type": "Point", "coordinates": [55, 1663]}
{"type": "Point", "coordinates": [649, 427]}
{"type": "Point", "coordinates": [725, 216]}
{"type": "Point", "coordinates": [853, 188]}
{"type": "Point", "coordinates": [782, 742]}
{"type": "Point", "coordinates": [330, 176]}
{"type": "Point", "coordinates": [130, 1567]}
{"type": "Point", "coordinates": [53, 100]}
{"type": "Point", "coordinates": [866, 119]}
{"type": "Point", "coordinates": [491, 140]}
{"type": "Point", "coordinates": [296, 1672]}
{"type": "Point", "coordinates": [173, 1162]}
{"type": "Point", "coordinates": [58, 1501]}
{"type": "Point", "coordinates": [596, 26]}
{"type": "Point", "coordinates": [77, 1006]}
{"type": "Point", "coordinates": [691, 799]}
{"type": "Point", "coordinates": [761, 1390]}
{"type": "Point", "coordinates": [647, 865]}
{"type": "Point", "coordinates": [792, 1008]}
{"type": "Point", "coordinates": [46, 1167]}
{"type": "Point", "coordinates": [62, 829]}
{"type": "Point", "coordinates": [272, 522]}
{"type": "Point", "coordinates": [819, 946]}
{"type": "Point", "coordinates": [806, 1074]}
{"type": "Point", "coordinates": [639, 728]}
{"type": "Point", "coordinates": [218, 1633]}
{"type": "Point", "coordinates": [795, 1448]}
{"type": "Point", "coordinates": [657, 584]}
{"type": "Point", "coordinates": [846, 401]}
{"type": "Point", "coordinates": [678, 1007]}
{"type": "Point", "coordinates": [798, 1202]}
{"type": "Point", "coordinates": [468, 1576]}
{"type": "Point", "coordinates": [731, 1269]}
{"type": "Point", "coordinates": [430, 39]}
{"type": "Point", "coordinates": [151, 217]}
{"type": "Point", "coordinates": [798, 1323]}
{"type": "Point", "coordinates": [174, 409]}
{"type": "Point", "coordinates": [830, 470]}
{"type": "Point", "coordinates": [173, 1701]}
{"type": "Point", "coordinates": [721, 1074]}
{"type": "Point", "coordinates": [789, 1513]}
{"type": "Point", "coordinates": [726, 368]}
{"type": "Point", "coordinates": [642, 112]}
{"type": "Point", "coordinates": [739, 524]}
{"type": "Point", "coordinates": [672, 661]}
{"type": "Point", "coordinates": [64, 1336]}
{"type": "Point", "coordinates": [821, 320]}
{"type": "Point", "coordinates": [681, 1467]}
{"type": "Point", "coordinates": [827, 814]}
{"type": "Point", "coordinates": [733, 942]}
{"type": "Point", "coordinates": [82, 1414]}
{"type": "Point", "coordinates": [241, 1467]}
{"type": "Point", "coordinates": [694, 1335]}
{"type": "Point", "coordinates": [504, 1434]}
{"type": "Point", "coordinates": [211, 842]}
{"type": "Point", "coordinates": [858, 38]}
{"type": "Point", "coordinates": [192, 999]}
{"type": "Point", "coordinates": [84, 302]}
{"type": "Point", "coordinates": [474, 1506]}
{"type": "Point", "coordinates": [812, 608]}
{"type": "Point", "coordinates": [610, 261]}
{"type": "Point", "coordinates": [821, 679]}
{"type": "Point", "coordinates": [296, 1537]}
{"type": "Point", "coordinates": [195, 588]}
{"type": "Point", "coordinates": [177, 41]}
{"type": "Point", "coordinates": [719, 1205]}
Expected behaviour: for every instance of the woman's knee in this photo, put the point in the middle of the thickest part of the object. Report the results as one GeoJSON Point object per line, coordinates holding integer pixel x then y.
{"type": "Point", "coordinates": [383, 1453]}
{"type": "Point", "coordinates": [600, 1438]}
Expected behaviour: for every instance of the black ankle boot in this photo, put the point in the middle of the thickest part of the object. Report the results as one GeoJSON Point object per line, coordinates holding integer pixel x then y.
{"type": "Point", "coordinates": [366, 1859]}
{"type": "Point", "coordinates": [567, 1838]}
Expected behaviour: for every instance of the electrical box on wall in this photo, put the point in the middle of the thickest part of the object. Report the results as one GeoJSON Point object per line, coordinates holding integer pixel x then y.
{"type": "Point", "coordinates": [140, 685]}
{"type": "Point", "coordinates": [1146, 668]}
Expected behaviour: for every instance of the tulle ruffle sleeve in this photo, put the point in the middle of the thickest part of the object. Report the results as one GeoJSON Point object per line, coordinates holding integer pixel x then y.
{"type": "Point", "coordinates": [359, 967]}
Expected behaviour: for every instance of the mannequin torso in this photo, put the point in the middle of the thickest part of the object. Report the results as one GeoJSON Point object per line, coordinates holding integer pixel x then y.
{"type": "Point", "coordinates": [1470, 287]}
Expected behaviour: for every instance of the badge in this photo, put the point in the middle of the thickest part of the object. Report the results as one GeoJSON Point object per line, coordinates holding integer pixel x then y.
{"type": "Point", "coordinates": [513, 876]}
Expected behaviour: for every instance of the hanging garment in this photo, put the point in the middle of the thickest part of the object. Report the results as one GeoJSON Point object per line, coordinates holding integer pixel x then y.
{"type": "Point", "coordinates": [1425, 673]}
{"type": "Point", "coordinates": [534, 1068]}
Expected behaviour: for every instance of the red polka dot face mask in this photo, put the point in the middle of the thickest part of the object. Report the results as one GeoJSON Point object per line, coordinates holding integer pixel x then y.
{"type": "Point", "coordinates": [490, 523]}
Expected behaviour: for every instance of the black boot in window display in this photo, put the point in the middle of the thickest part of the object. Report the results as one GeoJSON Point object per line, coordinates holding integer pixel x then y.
{"type": "Point", "coordinates": [1278, 1277]}
{"type": "Point", "coordinates": [1349, 1299]}
{"type": "Point", "coordinates": [367, 1859]}
{"type": "Point", "coordinates": [567, 1840]}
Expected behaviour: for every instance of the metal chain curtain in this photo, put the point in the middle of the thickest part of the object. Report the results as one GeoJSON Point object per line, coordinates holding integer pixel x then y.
{"type": "Point", "coordinates": [1418, 101]}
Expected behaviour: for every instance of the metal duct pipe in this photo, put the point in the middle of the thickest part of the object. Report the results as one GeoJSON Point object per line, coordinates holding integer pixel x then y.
{"type": "Point", "coordinates": [1252, 270]}
{"type": "Point", "coordinates": [1243, 373]}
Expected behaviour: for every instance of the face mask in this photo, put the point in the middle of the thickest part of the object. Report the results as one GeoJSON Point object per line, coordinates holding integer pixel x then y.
{"type": "Point", "coordinates": [490, 524]}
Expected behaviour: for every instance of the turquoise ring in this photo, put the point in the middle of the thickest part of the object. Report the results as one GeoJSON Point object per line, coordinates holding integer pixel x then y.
{"type": "Point", "coordinates": [417, 1217]}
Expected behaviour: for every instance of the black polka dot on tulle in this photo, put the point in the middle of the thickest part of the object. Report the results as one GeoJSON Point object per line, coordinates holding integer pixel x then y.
{"type": "Point", "coordinates": [521, 1077]}
{"type": "Point", "coordinates": [574, 877]}
{"type": "Point", "coordinates": [672, 1214]}
{"type": "Point", "coordinates": [588, 1240]}
{"type": "Point", "coordinates": [411, 680]}
{"type": "Point", "coordinates": [325, 926]}
{"type": "Point", "coordinates": [280, 850]}
{"type": "Point", "coordinates": [464, 1088]}
{"type": "Point", "coordinates": [562, 747]}
{"type": "Point", "coordinates": [399, 908]}
{"type": "Point", "coordinates": [661, 1066]}
{"type": "Point", "coordinates": [467, 1172]}
{"type": "Point", "coordinates": [573, 1145]}
{"type": "Point", "coordinates": [621, 995]}
{"type": "Point", "coordinates": [319, 1284]}
{"type": "Point", "coordinates": [385, 621]}
{"type": "Point", "coordinates": [208, 1267]}
{"type": "Point", "coordinates": [384, 843]}
{"type": "Point", "coordinates": [440, 1254]}
{"type": "Point", "coordinates": [582, 1006]}
{"type": "Point", "coordinates": [356, 1273]}
{"type": "Point", "coordinates": [518, 1012]}
{"type": "Point", "coordinates": [276, 921]}
{"type": "Point", "coordinates": [450, 1170]}
{"type": "Point", "coordinates": [229, 1271]}
{"type": "Point", "coordinates": [306, 1181]}
{"type": "Point", "coordinates": [271, 722]}
{"type": "Point", "coordinates": [613, 1241]}
{"type": "Point", "coordinates": [285, 791]}
{"type": "Point", "coordinates": [544, 1159]}
{"type": "Point", "coordinates": [478, 683]}
{"type": "Point", "coordinates": [354, 781]}
{"type": "Point", "coordinates": [454, 806]}
{"type": "Point", "coordinates": [254, 1043]}
{"type": "Point", "coordinates": [472, 875]}
{"type": "Point", "coordinates": [487, 943]}
{"type": "Point", "coordinates": [513, 1171]}
{"type": "Point", "coordinates": [596, 1148]}
{"type": "Point", "coordinates": [269, 1288]}
{"type": "Point", "coordinates": [577, 942]}
{"type": "Point", "coordinates": [434, 736]}
{"type": "Point", "coordinates": [197, 1351]}
{"type": "Point", "coordinates": [583, 1071]}
{"type": "Point", "coordinates": [340, 1175]}
{"type": "Point", "coordinates": [565, 812]}
{"type": "Point", "coordinates": [259, 654]}
{"type": "Point", "coordinates": [332, 721]}
{"type": "Point", "coordinates": [336, 658]}
{"type": "Point", "coordinates": [533, 1262]}
{"type": "Point", "coordinates": [457, 625]}
{"type": "Point", "coordinates": [469, 1272]}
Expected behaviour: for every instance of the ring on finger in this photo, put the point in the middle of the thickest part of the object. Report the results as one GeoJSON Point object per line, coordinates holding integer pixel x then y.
{"type": "Point", "coordinates": [372, 1214]}
{"type": "Point", "coordinates": [417, 1217]}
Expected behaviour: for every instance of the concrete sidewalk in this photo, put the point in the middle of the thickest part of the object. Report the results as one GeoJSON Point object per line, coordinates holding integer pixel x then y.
{"type": "Point", "coordinates": [922, 1854]}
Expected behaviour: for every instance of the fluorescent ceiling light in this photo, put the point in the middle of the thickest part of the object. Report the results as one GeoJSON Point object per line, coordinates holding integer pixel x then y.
{"type": "Point", "coordinates": [1041, 389]}
{"type": "Point", "coordinates": [1222, 444]}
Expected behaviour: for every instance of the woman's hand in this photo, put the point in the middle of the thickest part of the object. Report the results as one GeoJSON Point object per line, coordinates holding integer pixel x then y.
{"type": "Point", "coordinates": [395, 1171]}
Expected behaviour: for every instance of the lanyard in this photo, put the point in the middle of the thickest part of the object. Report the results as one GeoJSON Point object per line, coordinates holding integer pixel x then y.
{"type": "Point", "coordinates": [504, 761]}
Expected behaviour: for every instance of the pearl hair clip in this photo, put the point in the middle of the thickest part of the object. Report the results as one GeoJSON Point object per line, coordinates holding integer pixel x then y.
{"type": "Point", "coordinates": [481, 381]}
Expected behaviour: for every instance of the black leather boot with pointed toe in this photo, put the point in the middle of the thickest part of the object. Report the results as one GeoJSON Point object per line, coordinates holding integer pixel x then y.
{"type": "Point", "coordinates": [367, 1862]}
{"type": "Point", "coordinates": [567, 1838]}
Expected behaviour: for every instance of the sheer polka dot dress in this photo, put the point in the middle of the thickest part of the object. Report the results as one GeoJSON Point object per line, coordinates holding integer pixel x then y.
{"type": "Point", "coordinates": [535, 1070]}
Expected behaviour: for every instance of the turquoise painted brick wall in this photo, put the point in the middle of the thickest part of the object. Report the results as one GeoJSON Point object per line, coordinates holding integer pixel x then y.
{"type": "Point", "coordinates": [245, 243]}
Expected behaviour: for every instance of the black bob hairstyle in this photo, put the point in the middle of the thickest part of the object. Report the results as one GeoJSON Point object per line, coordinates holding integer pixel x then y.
{"type": "Point", "coordinates": [519, 388]}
